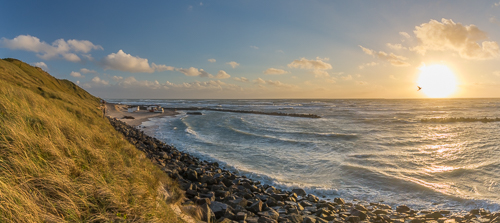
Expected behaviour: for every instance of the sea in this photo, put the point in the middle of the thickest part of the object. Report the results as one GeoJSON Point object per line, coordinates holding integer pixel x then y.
{"type": "Point", "coordinates": [429, 154]}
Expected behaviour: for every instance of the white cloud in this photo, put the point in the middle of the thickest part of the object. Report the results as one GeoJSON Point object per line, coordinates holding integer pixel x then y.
{"type": "Point", "coordinates": [320, 73]}
{"type": "Point", "coordinates": [76, 74]}
{"type": "Point", "coordinates": [86, 71]}
{"type": "Point", "coordinates": [497, 73]}
{"type": "Point", "coordinates": [59, 48]}
{"type": "Point", "coordinates": [346, 78]}
{"type": "Point", "coordinates": [405, 34]}
{"type": "Point", "coordinates": [362, 66]}
{"type": "Point", "coordinates": [241, 79]}
{"type": "Point", "coordinates": [126, 62]}
{"type": "Point", "coordinates": [275, 71]}
{"type": "Point", "coordinates": [41, 65]}
{"type": "Point", "coordinates": [193, 72]}
{"type": "Point", "coordinates": [117, 78]}
{"type": "Point", "coordinates": [212, 60]}
{"type": "Point", "coordinates": [392, 77]}
{"type": "Point", "coordinates": [395, 60]}
{"type": "Point", "coordinates": [304, 63]}
{"type": "Point", "coordinates": [396, 46]}
{"type": "Point", "coordinates": [254, 47]}
{"type": "Point", "coordinates": [161, 67]}
{"type": "Point", "coordinates": [233, 64]}
{"type": "Point", "coordinates": [497, 4]}
{"type": "Point", "coordinates": [98, 80]}
{"type": "Point", "coordinates": [274, 83]}
{"type": "Point", "coordinates": [222, 75]}
{"type": "Point", "coordinates": [361, 82]}
{"type": "Point", "coordinates": [448, 35]}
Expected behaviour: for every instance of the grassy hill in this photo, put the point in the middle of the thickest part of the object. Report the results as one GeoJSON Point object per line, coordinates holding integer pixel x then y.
{"type": "Point", "coordinates": [61, 161]}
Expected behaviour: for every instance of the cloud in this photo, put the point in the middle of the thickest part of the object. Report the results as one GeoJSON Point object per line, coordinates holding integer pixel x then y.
{"type": "Point", "coordinates": [241, 79]}
{"type": "Point", "coordinates": [262, 82]}
{"type": "Point", "coordinates": [405, 34]}
{"type": "Point", "coordinates": [304, 63]}
{"type": "Point", "coordinates": [497, 4]}
{"type": "Point", "coordinates": [361, 82]}
{"type": "Point", "coordinates": [76, 74]}
{"type": "Point", "coordinates": [396, 46]}
{"type": "Point", "coordinates": [59, 48]}
{"type": "Point", "coordinates": [320, 73]}
{"type": "Point", "coordinates": [161, 67]}
{"type": "Point", "coordinates": [117, 78]}
{"type": "Point", "coordinates": [193, 72]}
{"type": "Point", "coordinates": [395, 60]}
{"type": "Point", "coordinates": [496, 73]}
{"type": "Point", "coordinates": [212, 60]}
{"type": "Point", "coordinates": [254, 47]}
{"type": "Point", "coordinates": [448, 35]}
{"type": "Point", "coordinates": [274, 71]}
{"type": "Point", "coordinates": [126, 62]}
{"type": "Point", "coordinates": [41, 65]}
{"type": "Point", "coordinates": [233, 64]}
{"type": "Point", "coordinates": [86, 71]}
{"type": "Point", "coordinates": [98, 80]}
{"type": "Point", "coordinates": [362, 66]}
{"type": "Point", "coordinates": [346, 78]}
{"type": "Point", "coordinates": [222, 75]}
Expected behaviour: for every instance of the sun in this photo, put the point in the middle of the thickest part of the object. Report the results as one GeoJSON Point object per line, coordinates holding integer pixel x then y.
{"type": "Point", "coordinates": [437, 81]}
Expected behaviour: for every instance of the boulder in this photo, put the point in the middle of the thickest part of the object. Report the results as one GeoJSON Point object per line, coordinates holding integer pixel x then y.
{"type": "Point", "coordinates": [256, 207]}
{"type": "Point", "coordinates": [299, 192]}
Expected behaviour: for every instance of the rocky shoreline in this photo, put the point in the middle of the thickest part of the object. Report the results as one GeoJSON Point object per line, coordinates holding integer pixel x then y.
{"type": "Point", "coordinates": [226, 197]}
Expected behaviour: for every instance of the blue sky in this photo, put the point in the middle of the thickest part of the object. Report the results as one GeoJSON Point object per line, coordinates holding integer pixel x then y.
{"type": "Point", "coordinates": [256, 49]}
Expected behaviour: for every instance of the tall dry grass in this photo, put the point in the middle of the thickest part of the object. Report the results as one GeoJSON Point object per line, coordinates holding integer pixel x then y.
{"type": "Point", "coordinates": [60, 161]}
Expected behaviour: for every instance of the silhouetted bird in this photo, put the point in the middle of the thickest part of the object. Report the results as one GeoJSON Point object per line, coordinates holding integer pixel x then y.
{"type": "Point", "coordinates": [419, 88]}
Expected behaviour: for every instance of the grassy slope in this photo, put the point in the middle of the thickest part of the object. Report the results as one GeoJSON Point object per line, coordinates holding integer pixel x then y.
{"type": "Point", "coordinates": [61, 161]}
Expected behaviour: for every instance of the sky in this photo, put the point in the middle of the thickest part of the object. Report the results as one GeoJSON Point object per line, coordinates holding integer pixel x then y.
{"type": "Point", "coordinates": [242, 49]}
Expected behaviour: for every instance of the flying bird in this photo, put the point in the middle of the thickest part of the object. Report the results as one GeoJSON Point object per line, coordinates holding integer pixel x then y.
{"type": "Point", "coordinates": [419, 88]}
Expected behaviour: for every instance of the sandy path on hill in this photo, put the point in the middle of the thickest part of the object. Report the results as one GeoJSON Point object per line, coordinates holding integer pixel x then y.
{"type": "Point", "coordinates": [118, 111]}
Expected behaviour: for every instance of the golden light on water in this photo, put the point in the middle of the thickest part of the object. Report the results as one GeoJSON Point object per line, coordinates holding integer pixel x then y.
{"type": "Point", "coordinates": [437, 81]}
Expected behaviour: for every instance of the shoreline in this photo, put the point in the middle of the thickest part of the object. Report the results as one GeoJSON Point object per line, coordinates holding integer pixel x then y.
{"type": "Point", "coordinates": [223, 194]}
{"type": "Point", "coordinates": [118, 111]}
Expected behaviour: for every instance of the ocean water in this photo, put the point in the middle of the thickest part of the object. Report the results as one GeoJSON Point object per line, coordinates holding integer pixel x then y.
{"type": "Point", "coordinates": [427, 154]}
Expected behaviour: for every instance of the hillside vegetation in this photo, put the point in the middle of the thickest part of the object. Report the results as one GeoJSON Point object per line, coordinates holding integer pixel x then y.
{"type": "Point", "coordinates": [61, 161]}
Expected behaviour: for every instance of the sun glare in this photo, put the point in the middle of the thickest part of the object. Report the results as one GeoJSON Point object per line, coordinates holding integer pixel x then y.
{"type": "Point", "coordinates": [437, 81]}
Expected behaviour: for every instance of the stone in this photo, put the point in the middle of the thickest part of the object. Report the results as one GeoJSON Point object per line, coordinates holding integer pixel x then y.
{"type": "Point", "coordinates": [295, 218]}
{"type": "Point", "coordinates": [352, 219]}
{"type": "Point", "coordinates": [240, 216]}
{"type": "Point", "coordinates": [312, 198]}
{"type": "Point", "coordinates": [238, 202]}
{"type": "Point", "coordinates": [339, 200]}
{"type": "Point", "coordinates": [218, 208]}
{"type": "Point", "coordinates": [300, 192]}
{"type": "Point", "coordinates": [272, 214]}
{"type": "Point", "coordinates": [434, 215]}
{"type": "Point", "coordinates": [309, 219]}
{"type": "Point", "coordinates": [207, 215]}
{"type": "Point", "coordinates": [305, 204]}
{"type": "Point", "coordinates": [361, 214]}
{"type": "Point", "coordinates": [266, 220]}
{"type": "Point", "coordinates": [256, 207]}
{"type": "Point", "coordinates": [403, 209]}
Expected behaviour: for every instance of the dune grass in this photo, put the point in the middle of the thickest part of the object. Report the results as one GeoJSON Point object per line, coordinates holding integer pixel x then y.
{"type": "Point", "coordinates": [61, 161]}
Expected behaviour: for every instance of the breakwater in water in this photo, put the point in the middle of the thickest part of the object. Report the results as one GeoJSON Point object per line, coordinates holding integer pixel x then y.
{"type": "Point", "coordinates": [225, 196]}
{"type": "Point", "coordinates": [250, 112]}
